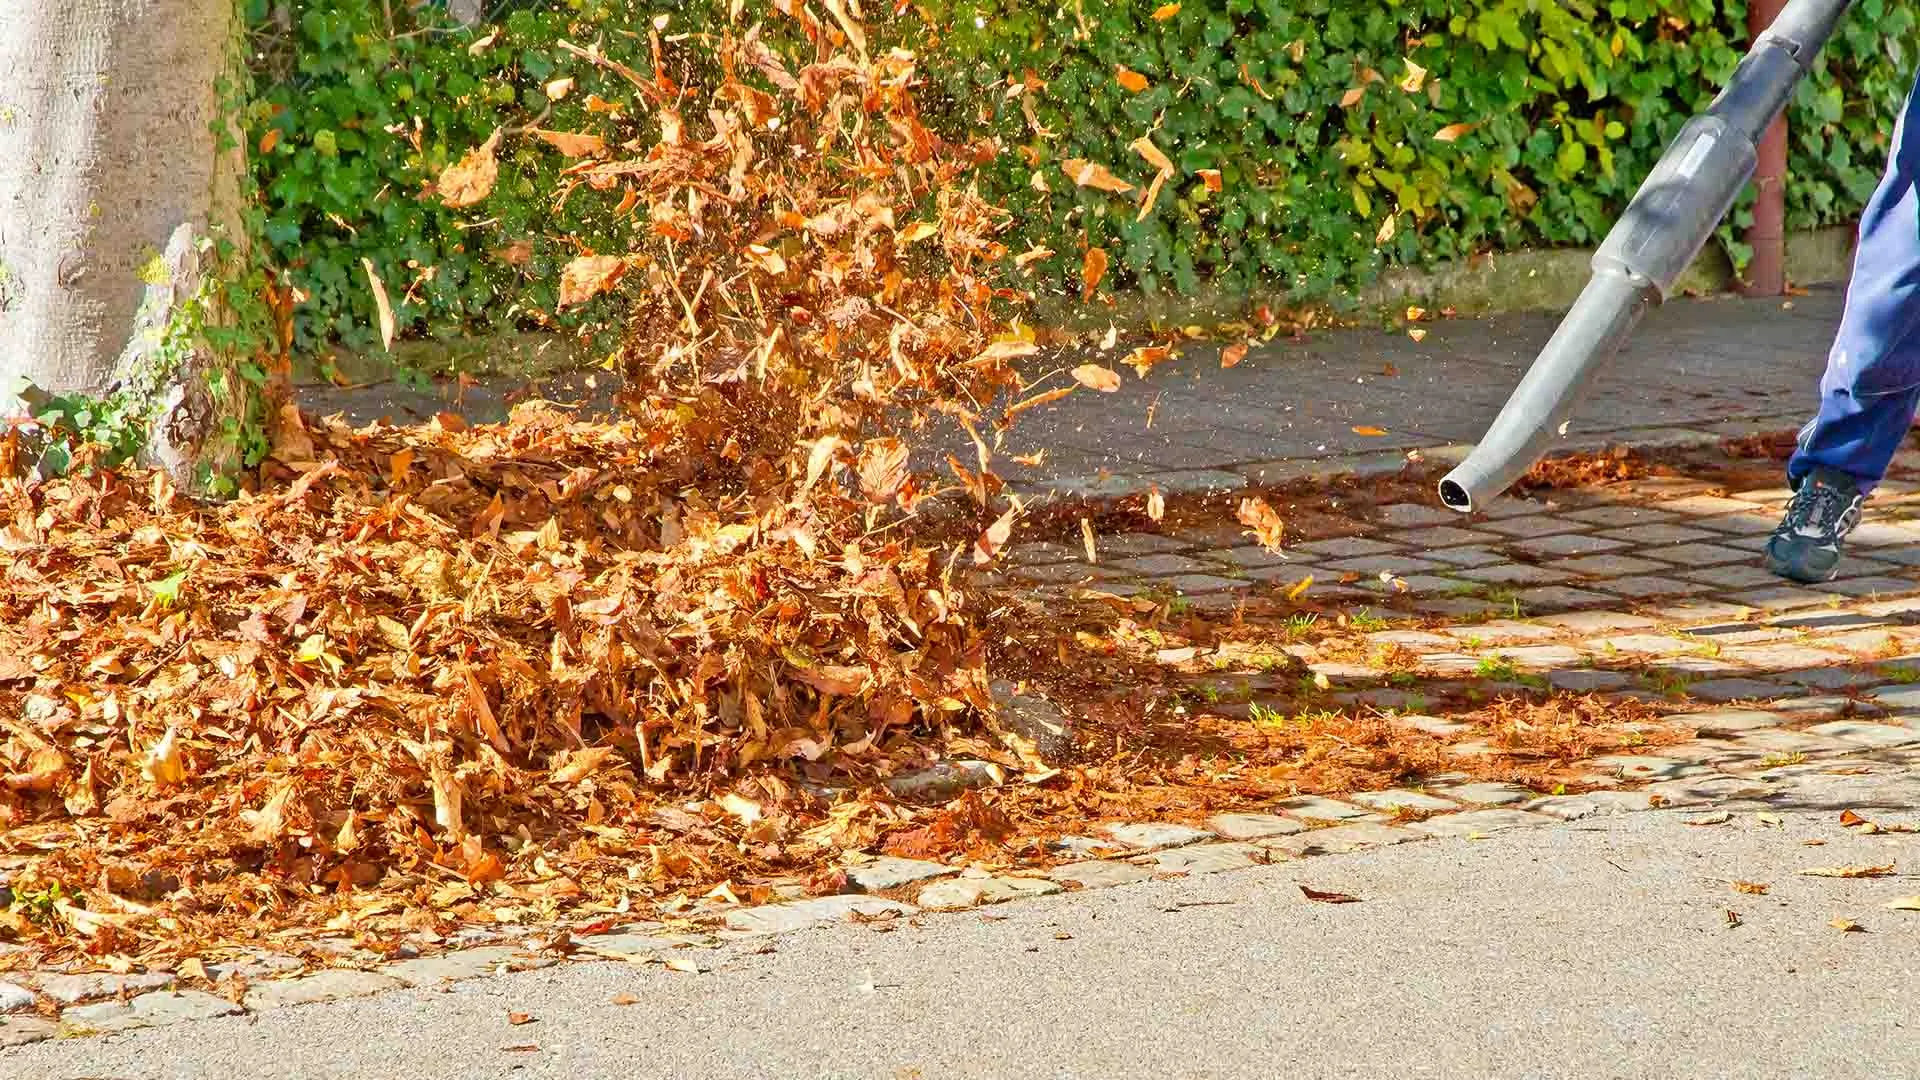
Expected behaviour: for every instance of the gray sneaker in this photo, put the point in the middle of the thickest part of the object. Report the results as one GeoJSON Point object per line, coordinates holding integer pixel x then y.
{"type": "Point", "coordinates": [1806, 546]}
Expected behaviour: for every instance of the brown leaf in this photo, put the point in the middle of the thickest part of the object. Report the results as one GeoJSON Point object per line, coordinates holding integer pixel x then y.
{"type": "Point", "coordinates": [1089, 174]}
{"type": "Point", "coordinates": [1262, 520]}
{"type": "Point", "coordinates": [1153, 155]}
{"type": "Point", "coordinates": [1095, 377]}
{"type": "Point", "coordinates": [518, 1018]}
{"type": "Point", "coordinates": [1849, 871]}
{"type": "Point", "coordinates": [835, 679]}
{"type": "Point", "coordinates": [570, 143]}
{"type": "Point", "coordinates": [470, 179]}
{"type": "Point", "coordinates": [1233, 354]}
{"type": "Point", "coordinates": [1847, 926]}
{"type": "Point", "coordinates": [1093, 267]}
{"type": "Point", "coordinates": [1451, 132]}
{"type": "Point", "coordinates": [1369, 430]}
{"type": "Point", "coordinates": [380, 304]}
{"type": "Point", "coordinates": [1904, 903]}
{"type": "Point", "coordinates": [1210, 177]}
{"type": "Point", "coordinates": [1753, 888]}
{"type": "Point", "coordinates": [1144, 358]}
{"type": "Point", "coordinates": [1352, 97]}
{"type": "Point", "coordinates": [587, 277]}
{"type": "Point", "coordinates": [624, 998]}
{"type": "Point", "coordinates": [1156, 503]}
{"type": "Point", "coordinates": [1328, 897]}
{"type": "Point", "coordinates": [882, 469]}
{"type": "Point", "coordinates": [991, 541]}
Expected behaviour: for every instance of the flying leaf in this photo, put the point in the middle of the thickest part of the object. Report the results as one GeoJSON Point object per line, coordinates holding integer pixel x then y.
{"type": "Point", "coordinates": [1093, 267]}
{"type": "Point", "coordinates": [1143, 359]}
{"type": "Point", "coordinates": [882, 469]}
{"type": "Point", "coordinates": [581, 764]}
{"type": "Point", "coordinates": [1328, 897]}
{"type": "Point", "coordinates": [747, 810]}
{"type": "Point", "coordinates": [380, 304]}
{"type": "Point", "coordinates": [1299, 588]}
{"type": "Point", "coordinates": [1352, 97]}
{"type": "Point", "coordinates": [1416, 77]}
{"type": "Point", "coordinates": [1156, 503]}
{"type": "Point", "coordinates": [559, 88]}
{"type": "Point", "coordinates": [166, 591]}
{"type": "Point", "coordinates": [1211, 177]}
{"type": "Point", "coordinates": [569, 143]}
{"type": "Point", "coordinates": [1145, 148]}
{"type": "Point", "coordinates": [991, 541]}
{"type": "Point", "coordinates": [1165, 12]}
{"type": "Point", "coordinates": [1131, 81]}
{"type": "Point", "coordinates": [1091, 174]}
{"type": "Point", "coordinates": [1233, 354]}
{"type": "Point", "coordinates": [1369, 431]}
{"type": "Point", "coordinates": [1752, 888]}
{"type": "Point", "coordinates": [1262, 521]}
{"type": "Point", "coordinates": [1418, 334]}
{"type": "Point", "coordinates": [1451, 132]}
{"type": "Point", "coordinates": [162, 764]}
{"type": "Point", "coordinates": [518, 1018]}
{"type": "Point", "coordinates": [1847, 926]}
{"type": "Point", "coordinates": [1086, 540]}
{"type": "Point", "coordinates": [587, 277]}
{"type": "Point", "coordinates": [470, 179]}
{"type": "Point", "coordinates": [1387, 229]}
{"type": "Point", "coordinates": [1095, 377]}
{"type": "Point", "coordinates": [835, 679]}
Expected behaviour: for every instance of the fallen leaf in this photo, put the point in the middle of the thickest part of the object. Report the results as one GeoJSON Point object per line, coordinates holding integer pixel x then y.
{"type": "Point", "coordinates": [995, 537]}
{"type": "Point", "coordinates": [624, 998]}
{"type": "Point", "coordinates": [1156, 504]}
{"type": "Point", "coordinates": [1369, 431]}
{"type": "Point", "coordinates": [1733, 918]}
{"type": "Point", "coordinates": [587, 277]}
{"type": "Point", "coordinates": [518, 1018]}
{"type": "Point", "coordinates": [470, 179]}
{"type": "Point", "coordinates": [1086, 539]}
{"type": "Point", "coordinates": [1233, 354]}
{"type": "Point", "coordinates": [521, 1048]}
{"type": "Point", "coordinates": [1153, 154]}
{"type": "Point", "coordinates": [1847, 926]}
{"type": "Point", "coordinates": [1849, 871]}
{"type": "Point", "coordinates": [380, 304]}
{"type": "Point", "coordinates": [1904, 903]}
{"type": "Point", "coordinates": [1753, 888]}
{"type": "Point", "coordinates": [1211, 178]}
{"type": "Point", "coordinates": [1262, 520]}
{"type": "Point", "coordinates": [1165, 12]}
{"type": "Point", "coordinates": [1095, 377]}
{"type": "Point", "coordinates": [1130, 80]}
{"type": "Point", "coordinates": [1417, 334]}
{"type": "Point", "coordinates": [1093, 267]}
{"type": "Point", "coordinates": [1328, 897]}
{"type": "Point", "coordinates": [1144, 358]}
{"type": "Point", "coordinates": [682, 962]}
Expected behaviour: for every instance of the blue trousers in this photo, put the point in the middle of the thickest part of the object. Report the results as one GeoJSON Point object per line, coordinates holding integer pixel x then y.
{"type": "Point", "coordinates": [1871, 387]}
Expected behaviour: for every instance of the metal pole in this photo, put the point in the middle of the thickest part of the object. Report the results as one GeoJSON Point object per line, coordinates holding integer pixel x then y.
{"type": "Point", "coordinates": [1767, 273]}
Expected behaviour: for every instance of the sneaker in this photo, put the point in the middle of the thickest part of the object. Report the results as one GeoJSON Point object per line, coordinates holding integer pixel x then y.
{"type": "Point", "coordinates": [1806, 546]}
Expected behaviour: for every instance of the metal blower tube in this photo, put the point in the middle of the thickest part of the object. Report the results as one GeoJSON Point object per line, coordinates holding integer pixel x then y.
{"type": "Point", "coordinates": [1671, 217]}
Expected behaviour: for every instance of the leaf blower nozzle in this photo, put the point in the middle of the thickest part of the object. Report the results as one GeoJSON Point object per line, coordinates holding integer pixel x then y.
{"type": "Point", "coordinates": [1669, 220]}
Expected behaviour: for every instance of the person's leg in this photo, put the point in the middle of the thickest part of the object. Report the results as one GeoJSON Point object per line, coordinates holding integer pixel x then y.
{"type": "Point", "coordinates": [1871, 386]}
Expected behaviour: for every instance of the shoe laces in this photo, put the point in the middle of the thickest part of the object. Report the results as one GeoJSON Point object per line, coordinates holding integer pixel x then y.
{"type": "Point", "coordinates": [1820, 511]}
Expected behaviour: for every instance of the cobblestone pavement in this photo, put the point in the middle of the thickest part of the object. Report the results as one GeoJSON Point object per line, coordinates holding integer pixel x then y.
{"type": "Point", "coordinates": [1648, 589]}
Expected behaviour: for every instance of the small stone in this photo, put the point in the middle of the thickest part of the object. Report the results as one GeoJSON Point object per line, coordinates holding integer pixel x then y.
{"type": "Point", "coordinates": [1342, 839]}
{"type": "Point", "coordinates": [1583, 681]}
{"type": "Point", "coordinates": [823, 910]}
{"type": "Point", "coordinates": [1640, 767]}
{"type": "Point", "coordinates": [455, 966]}
{"type": "Point", "coordinates": [1489, 794]}
{"type": "Point", "coordinates": [1591, 804]}
{"type": "Point", "coordinates": [1151, 837]}
{"type": "Point", "coordinates": [1859, 733]}
{"type": "Point", "coordinates": [1099, 874]}
{"type": "Point", "coordinates": [1250, 826]}
{"type": "Point", "coordinates": [960, 894]}
{"type": "Point", "coordinates": [1479, 821]}
{"type": "Point", "coordinates": [1206, 858]}
{"type": "Point", "coordinates": [156, 1009]}
{"type": "Point", "coordinates": [74, 989]}
{"type": "Point", "coordinates": [24, 1028]}
{"type": "Point", "coordinates": [889, 872]}
{"type": "Point", "coordinates": [332, 984]}
{"type": "Point", "coordinates": [14, 997]}
{"type": "Point", "coordinates": [1402, 799]}
{"type": "Point", "coordinates": [1315, 808]}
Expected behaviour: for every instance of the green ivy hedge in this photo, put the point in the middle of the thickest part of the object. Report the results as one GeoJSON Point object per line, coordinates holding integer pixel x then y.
{"type": "Point", "coordinates": [1476, 125]}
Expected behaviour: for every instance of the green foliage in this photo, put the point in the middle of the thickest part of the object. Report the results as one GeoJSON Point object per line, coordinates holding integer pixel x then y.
{"type": "Point", "coordinates": [1475, 125]}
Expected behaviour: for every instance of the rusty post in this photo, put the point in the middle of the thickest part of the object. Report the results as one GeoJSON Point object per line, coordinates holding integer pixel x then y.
{"type": "Point", "coordinates": [1767, 273]}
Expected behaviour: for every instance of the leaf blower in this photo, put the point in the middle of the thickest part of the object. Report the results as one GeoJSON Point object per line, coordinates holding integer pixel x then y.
{"type": "Point", "coordinates": [1690, 189]}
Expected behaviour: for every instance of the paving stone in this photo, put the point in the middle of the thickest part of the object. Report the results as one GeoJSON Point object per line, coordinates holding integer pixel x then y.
{"type": "Point", "coordinates": [1316, 808]}
{"type": "Point", "coordinates": [1862, 733]}
{"type": "Point", "coordinates": [74, 989]}
{"type": "Point", "coordinates": [1591, 804]}
{"type": "Point", "coordinates": [1567, 545]}
{"type": "Point", "coordinates": [1206, 858]}
{"type": "Point", "coordinates": [1698, 554]}
{"type": "Point", "coordinates": [468, 963]}
{"type": "Point", "coordinates": [1457, 607]}
{"type": "Point", "coordinates": [1874, 587]}
{"type": "Point", "coordinates": [962, 893]}
{"type": "Point", "coordinates": [1154, 836]}
{"type": "Point", "coordinates": [1533, 526]}
{"type": "Point", "coordinates": [818, 911]}
{"type": "Point", "coordinates": [1474, 822]}
{"type": "Point", "coordinates": [1443, 537]}
{"type": "Point", "coordinates": [1451, 663]}
{"type": "Point", "coordinates": [1498, 630]}
{"type": "Point", "coordinates": [1513, 574]}
{"type": "Point", "coordinates": [1064, 573]}
{"type": "Point", "coordinates": [1385, 564]}
{"type": "Point", "coordinates": [1487, 794]}
{"type": "Point", "coordinates": [1201, 584]}
{"type": "Point", "coordinates": [1587, 681]}
{"type": "Point", "coordinates": [1719, 752]}
{"type": "Point", "coordinates": [256, 967]}
{"type": "Point", "coordinates": [1899, 699]}
{"type": "Point", "coordinates": [1640, 766]}
{"type": "Point", "coordinates": [1780, 598]}
{"type": "Point", "coordinates": [1248, 558]}
{"type": "Point", "coordinates": [1127, 545]}
{"type": "Point", "coordinates": [1466, 556]}
{"type": "Point", "coordinates": [1253, 826]}
{"type": "Point", "coordinates": [1781, 657]}
{"type": "Point", "coordinates": [1820, 707]}
{"type": "Point", "coordinates": [1402, 799]}
{"type": "Point", "coordinates": [888, 872]}
{"type": "Point", "coordinates": [1828, 678]}
{"type": "Point", "coordinates": [629, 944]}
{"type": "Point", "coordinates": [1043, 552]}
{"type": "Point", "coordinates": [1732, 690]}
{"type": "Point", "coordinates": [1733, 577]}
{"type": "Point", "coordinates": [1347, 547]}
{"type": "Point", "coordinates": [1540, 657]}
{"type": "Point", "coordinates": [156, 1009]}
{"type": "Point", "coordinates": [21, 1029]}
{"type": "Point", "coordinates": [1405, 515]}
{"type": "Point", "coordinates": [1342, 839]}
{"type": "Point", "coordinates": [1644, 645]}
{"type": "Point", "coordinates": [1562, 598]}
{"type": "Point", "coordinates": [1618, 516]}
{"type": "Point", "coordinates": [1159, 564]}
{"type": "Point", "coordinates": [1432, 725]}
{"type": "Point", "coordinates": [1608, 566]}
{"type": "Point", "coordinates": [1099, 874]}
{"type": "Point", "coordinates": [1709, 505]}
{"type": "Point", "coordinates": [1597, 622]}
{"type": "Point", "coordinates": [1884, 533]}
{"type": "Point", "coordinates": [329, 985]}
{"type": "Point", "coordinates": [1659, 533]}
{"type": "Point", "coordinates": [14, 997]}
{"type": "Point", "coordinates": [1729, 721]}
{"type": "Point", "coordinates": [1694, 612]}
{"type": "Point", "coordinates": [1783, 741]}
{"type": "Point", "coordinates": [1412, 639]}
{"type": "Point", "coordinates": [1643, 588]}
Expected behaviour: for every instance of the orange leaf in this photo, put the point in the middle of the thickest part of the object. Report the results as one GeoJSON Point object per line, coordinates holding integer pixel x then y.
{"type": "Point", "coordinates": [1089, 174]}
{"type": "Point", "coordinates": [1165, 12]}
{"type": "Point", "coordinates": [1368, 430]}
{"type": "Point", "coordinates": [1352, 97]}
{"type": "Point", "coordinates": [834, 679]}
{"type": "Point", "coordinates": [1131, 80]}
{"type": "Point", "coordinates": [570, 143]}
{"type": "Point", "coordinates": [995, 538]}
{"type": "Point", "coordinates": [1038, 399]}
{"type": "Point", "coordinates": [1145, 357]}
{"type": "Point", "coordinates": [1093, 267]}
{"type": "Point", "coordinates": [1211, 177]}
{"type": "Point", "coordinates": [470, 179]}
{"type": "Point", "coordinates": [1263, 521]}
{"type": "Point", "coordinates": [1233, 354]}
{"type": "Point", "coordinates": [1095, 377]}
{"type": "Point", "coordinates": [588, 276]}
{"type": "Point", "coordinates": [1451, 132]}
{"type": "Point", "coordinates": [1145, 148]}
{"type": "Point", "coordinates": [269, 140]}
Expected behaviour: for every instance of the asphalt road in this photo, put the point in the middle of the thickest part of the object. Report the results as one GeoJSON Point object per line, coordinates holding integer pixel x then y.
{"type": "Point", "coordinates": [1596, 949]}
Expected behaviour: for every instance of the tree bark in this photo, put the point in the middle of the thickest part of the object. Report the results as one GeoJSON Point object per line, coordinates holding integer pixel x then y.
{"type": "Point", "coordinates": [107, 148]}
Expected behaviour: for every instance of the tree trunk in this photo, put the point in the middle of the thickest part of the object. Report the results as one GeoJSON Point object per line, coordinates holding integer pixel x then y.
{"type": "Point", "coordinates": [108, 148]}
